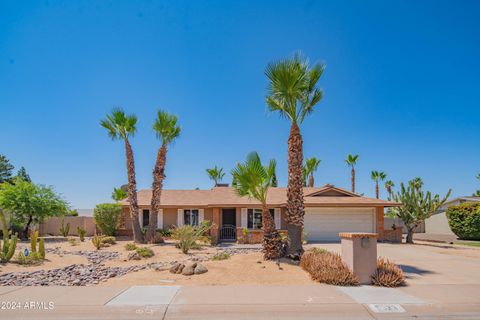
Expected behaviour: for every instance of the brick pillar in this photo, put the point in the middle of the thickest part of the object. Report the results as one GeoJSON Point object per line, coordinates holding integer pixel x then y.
{"type": "Point", "coordinates": [215, 222]}
{"type": "Point", "coordinates": [380, 222]}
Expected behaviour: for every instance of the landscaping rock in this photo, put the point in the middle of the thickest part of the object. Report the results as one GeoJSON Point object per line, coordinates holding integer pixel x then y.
{"type": "Point", "coordinates": [189, 269]}
{"type": "Point", "coordinates": [134, 256]}
{"type": "Point", "coordinates": [176, 267]}
{"type": "Point", "coordinates": [200, 268]}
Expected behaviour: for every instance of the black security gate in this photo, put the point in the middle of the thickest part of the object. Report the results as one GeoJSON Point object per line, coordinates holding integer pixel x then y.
{"type": "Point", "coordinates": [228, 232]}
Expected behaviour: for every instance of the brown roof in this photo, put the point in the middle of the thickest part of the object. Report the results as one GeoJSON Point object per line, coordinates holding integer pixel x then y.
{"type": "Point", "coordinates": [325, 196]}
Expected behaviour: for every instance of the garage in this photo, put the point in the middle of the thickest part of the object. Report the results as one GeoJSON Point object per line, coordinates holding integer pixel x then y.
{"type": "Point", "coordinates": [324, 224]}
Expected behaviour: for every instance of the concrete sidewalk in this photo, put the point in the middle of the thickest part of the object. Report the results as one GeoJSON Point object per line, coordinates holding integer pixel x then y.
{"type": "Point", "coordinates": [240, 302]}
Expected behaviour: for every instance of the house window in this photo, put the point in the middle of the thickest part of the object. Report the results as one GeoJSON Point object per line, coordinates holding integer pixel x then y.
{"type": "Point", "coordinates": [190, 217]}
{"type": "Point", "coordinates": [254, 220]}
{"type": "Point", "coordinates": [145, 217]}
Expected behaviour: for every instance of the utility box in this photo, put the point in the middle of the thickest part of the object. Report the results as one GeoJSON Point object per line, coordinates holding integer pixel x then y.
{"type": "Point", "coordinates": [359, 253]}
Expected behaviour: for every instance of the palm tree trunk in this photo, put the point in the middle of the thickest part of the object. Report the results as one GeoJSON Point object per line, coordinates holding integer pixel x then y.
{"type": "Point", "coordinates": [157, 185]}
{"type": "Point", "coordinates": [377, 191]}
{"type": "Point", "coordinates": [311, 181]}
{"type": "Point", "coordinates": [132, 193]}
{"type": "Point", "coordinates": [295, 206]}
{"type": "Point", "coordinates": [272, 243]}
{"type": "Point", "coordinates": [353, 179]}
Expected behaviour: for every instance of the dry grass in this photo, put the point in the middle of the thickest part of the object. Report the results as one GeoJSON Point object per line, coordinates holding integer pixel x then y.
{"type": "Point", "coordinates": [388, 274]}
{"type": "Point", "coordinates": [327, 267]}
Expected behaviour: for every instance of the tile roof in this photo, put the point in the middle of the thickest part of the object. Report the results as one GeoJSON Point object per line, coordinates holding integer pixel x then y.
{"type": "Point", "coordinates": [226, 196]}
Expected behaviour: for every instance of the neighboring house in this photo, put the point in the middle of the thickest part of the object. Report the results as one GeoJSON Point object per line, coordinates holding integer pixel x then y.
{"type": "Point", "coordinates": [328, 211]}
{"type": "Point", "coordinates": [438, 222]}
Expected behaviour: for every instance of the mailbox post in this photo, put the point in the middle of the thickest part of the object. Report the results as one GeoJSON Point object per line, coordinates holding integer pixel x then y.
{"type": "Point", "coordinates": [359, 253]}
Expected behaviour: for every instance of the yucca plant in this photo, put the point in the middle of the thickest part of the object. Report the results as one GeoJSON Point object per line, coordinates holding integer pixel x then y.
{"type": "Point", "coordinates": [388, 274]}
{"type": "Point", "coordinates": [64, 228]}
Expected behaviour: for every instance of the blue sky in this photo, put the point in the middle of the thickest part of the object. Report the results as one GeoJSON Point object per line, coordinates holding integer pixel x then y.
{"type": "Point", "coordinates": [401, 89]}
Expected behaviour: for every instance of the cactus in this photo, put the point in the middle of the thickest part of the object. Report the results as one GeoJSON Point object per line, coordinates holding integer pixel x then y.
{"type": "Point", "coordinates": [41, 248]}
{"type": "Point", "coordinates": [81, 233]}
{"type": "Point", "coordinates": [33, 241]}
{"type": "Point", "coordinates": [64, 229]}
{"type": "Point", "coordinates": [97, 241]}
{"type": "Point", "coordinates": [8, 249]}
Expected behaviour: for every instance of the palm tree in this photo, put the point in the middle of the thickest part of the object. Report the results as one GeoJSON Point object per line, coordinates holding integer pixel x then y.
{"type": "Point", "coordinates": [119, 194]}
{"type": "Point", "coordinates": [253, 180]}
{"type": "Point", "coordinates": [416, 182]}
{"type": "Point", "coordinates": [351, 161]}
{"type": "Point", "coordinates": [167, 130]}
{"type": "Point", "coordinates": [378, 176]}
{"type": "Point", "coordinates": [311, 166]}
{"type": "Point", "coordinates": [216, 175]}
{"type": "Point", "coordinates": [389, 187]}
{"type": "Point", "coordinates": [122, 126]}
{"type": "Point", "coordinates": [293, 93]}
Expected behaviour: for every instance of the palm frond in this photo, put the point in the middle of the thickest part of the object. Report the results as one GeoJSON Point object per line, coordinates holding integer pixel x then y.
{"type": "Point", "coordinates": [119, 125]}
{"type": "Point", "coordinates": [165, 127]}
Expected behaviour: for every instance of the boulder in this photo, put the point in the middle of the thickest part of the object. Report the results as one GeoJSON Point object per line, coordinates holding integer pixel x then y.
{"type": "Point", "coordinates": [189, 269]}
{"type": "Point", "coordinates": [174, 268]}
{"type": "Point", "coordinates": [200, 268]}
{"type": "Point", "coordinates": [134, 256]}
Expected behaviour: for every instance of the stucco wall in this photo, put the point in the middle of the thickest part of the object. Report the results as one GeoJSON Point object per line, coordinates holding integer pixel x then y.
{"type": "Point", "coordinates": [52, 226]}
{"type": "Point", "coordinates": [438, 224]}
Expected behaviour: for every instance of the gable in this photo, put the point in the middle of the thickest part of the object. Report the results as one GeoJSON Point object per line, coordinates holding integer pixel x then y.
{"type": "Point", "coordinates": [331, 191]}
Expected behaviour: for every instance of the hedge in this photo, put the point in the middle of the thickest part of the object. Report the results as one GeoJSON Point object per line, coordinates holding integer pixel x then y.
{"type": "Point", "coordinates": [464, 220]}
{"type": "Point", "coordinates": [107, 217]}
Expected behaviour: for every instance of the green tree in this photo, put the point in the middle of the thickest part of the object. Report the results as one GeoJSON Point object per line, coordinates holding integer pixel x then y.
{"type": "Point", "coordinates": [23, 175]}
{"type": "Point", "coordinates": [477, 193]}
{"type": "Point", "coordinates": [309, 169]}
{"type": "Point", "coordinates": [216, 175]}
{"type": "Point", "coordinates": [107, 217]}
{"type": "Point", "coordinates": [29, 203]}
{"type": "Point", "coordinates": [121, 127]}
{"type": "Point", "coordinates": [417, 206]}
{"type": "Point", "coordinates": [119, 194]}
{"type": "Point", "coordinates": [167, 130]}
{"type": "Point", "coordinates": [6, 169]}
{"type": "Point", "coordinates": [378, 176]}
{"type": "Point", "coordinates": [253, 180]}
{"type": "Point", "coordinates": [389, 185]}
{"type": "Point", "coordinates": [293, 93]}
{"type": "Point", "coordinates": [351, 161]}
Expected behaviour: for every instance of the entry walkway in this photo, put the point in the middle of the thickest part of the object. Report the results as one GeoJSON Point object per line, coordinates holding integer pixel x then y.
{"type": "Point", "coordinates": [240, 302]}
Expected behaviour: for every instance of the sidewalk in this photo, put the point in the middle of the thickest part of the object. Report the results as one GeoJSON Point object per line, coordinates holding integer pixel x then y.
{"type": "Point", "coordinates": [241, 302]}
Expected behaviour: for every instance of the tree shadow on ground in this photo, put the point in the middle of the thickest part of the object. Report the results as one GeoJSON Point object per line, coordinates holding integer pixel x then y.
{"type": "Point", "coordinates": [414, 270]}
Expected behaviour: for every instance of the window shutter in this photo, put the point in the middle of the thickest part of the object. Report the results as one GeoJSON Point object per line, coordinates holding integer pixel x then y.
{"type": "Point", "coordinates": [160, 219]}
{"type": "Point", "coordinates": [244, 218]}
{"type": "Point", "coordinates": [179, 217]}
{"type": "Point", "coordinates": [201, 215]}
{"type": "Point", "coordinates": [278, 218]}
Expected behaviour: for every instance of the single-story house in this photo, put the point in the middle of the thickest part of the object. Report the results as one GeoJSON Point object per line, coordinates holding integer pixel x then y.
{"type": "Point", "coordinates": [438, 222]}
{"type": "Point", "coordinates": [328, 211]}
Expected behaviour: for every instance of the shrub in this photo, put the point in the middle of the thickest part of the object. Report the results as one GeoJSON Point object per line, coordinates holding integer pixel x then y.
{"type": "Point", "coordinates": [319, 250]}
{"type": "Point", "coordinates": [130, 246]}
{"type": "Point", "coordinates": [108, 239]}
{"type": "Point", "coordinates": [72, 241]}
{"type": "Point", "coordinates": [145, 252]}
{"type": "Point", "coordinates": [64, 228]}
{"type": "Point", "coordinates": [32, 258]}
{"type": "Point", "coordinates": [107, 217]}
{"type": "Point", "coordinates": [81, 233]}
{"type": "Point", "coordinates": [187, 236]}
{"type": "Point", "coordinates": [327, 267]}
{"type": "Point", "coordinates": [97, 241]}
{"type": "Point", "coordinates": [388, 274]}
{"type": "Point", "coordinates": [221, 256]}
{"type": "Point", "coordinates": [464, 220]}
{"type": "Point", "coordinates": [165, 233]}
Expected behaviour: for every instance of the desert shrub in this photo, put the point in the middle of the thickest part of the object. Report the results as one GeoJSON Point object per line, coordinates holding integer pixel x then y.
{"type": "Point", "coordinates": [32, 258]}
{"type": "Point", "coordinates": [97, 241]}
{"type": "Point", "coordinates": [130, 246]}
{"type": "Point", "coordinates": [145, 252]}
{"type": "Point", "coordinates": [81, 233]}
{"type": "Point", "coordinates": [165, 233]}
{"type": "Point", "coordinates": [187, 236]}
{"type": "Point", "coordinates": [72, 241]}
{"type": "Point", "coordinates": [107, 217]}
{"type": "Point", "coordinates": [64, 228]}
{"type": "Point", "coordinates": [221, 256]}
{"type": "Point", "coordinates": [108, 239]}
{"type": "Point", "coordinates": [327, 267]}
{"type": "Point", "coordinates": [464, 220]}
{"type": "Point", "coordinates": [388, 274]}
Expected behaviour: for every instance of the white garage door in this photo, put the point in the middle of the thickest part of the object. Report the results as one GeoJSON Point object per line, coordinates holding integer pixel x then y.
{"type": "Point", "coordinates": [324, 224]}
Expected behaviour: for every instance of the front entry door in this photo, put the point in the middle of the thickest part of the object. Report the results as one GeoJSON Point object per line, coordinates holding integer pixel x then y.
{"type": "Point", "coordinates": [228, 231]}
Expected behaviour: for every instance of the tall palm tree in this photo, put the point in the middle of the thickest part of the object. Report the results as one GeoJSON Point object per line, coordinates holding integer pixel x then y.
{"type": "Point", "coordinates": [378, 176]}
{"type": "Point", "coordinates": [216, 175]}
{"type": "Point", "coordinates": [253, 180]}
{"type": "Point", "coordinates": [119, 194]}
{"type": "Point", "coordinates": [121, 126]}
{"type": "Point", "coordinates": [293, 92]}
{"type": "Point", "coordinates": [167, 130]}
{"type": "Point", "coordinates": [311, 166]}
{"type": "Point", "coordinates": [351, 161]}
{"type": "Point", "coordinates": [389, 187]}
{"type": "Point", "coordinates": [416, 182]}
